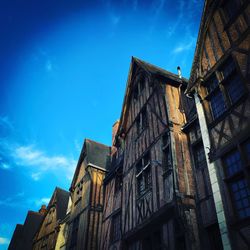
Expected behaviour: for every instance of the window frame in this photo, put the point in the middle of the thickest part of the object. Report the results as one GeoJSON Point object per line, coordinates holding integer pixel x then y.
{"type": "Point", "coordinates": [222, 87]}
{"type": "Point", "coordinates": [144, 174]}
{"type": "Point", "coordinates": [115, 232]}
{"type": "Point", "coordinates": [139, 87]}
{"type": "Point", "coordinates": [141, 121]}
{"type": "Point", "coordinates": [235, 177]}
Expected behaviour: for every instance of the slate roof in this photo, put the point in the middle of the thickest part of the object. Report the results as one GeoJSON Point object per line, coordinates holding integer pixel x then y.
{"type": "Point", "coordinates": [207, 12]}
{"type": "Point", "coordinates": [23, 235]}
{"type": "Point", "coordinates": [94, 153]}
{"type": "Point", "coordinates": [61, 198]}
{"type": "Point", "coordinates": [151, 69]}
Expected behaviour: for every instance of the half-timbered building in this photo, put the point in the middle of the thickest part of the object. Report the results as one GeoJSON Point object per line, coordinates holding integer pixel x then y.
{"type": "Point", "coordinates": [219, 82]}
{"type": "Point", "coordinates": [86, 191]}
{"type": "Point", "coordinates": [149, 198]}
{"type": "Point", "coordinates": [46, 236]}
{"type": "Point", "coordinates": [23, 234]}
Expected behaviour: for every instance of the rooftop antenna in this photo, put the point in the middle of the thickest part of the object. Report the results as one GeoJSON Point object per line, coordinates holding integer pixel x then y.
{"type": "Point", "coordinates": [179, 71]}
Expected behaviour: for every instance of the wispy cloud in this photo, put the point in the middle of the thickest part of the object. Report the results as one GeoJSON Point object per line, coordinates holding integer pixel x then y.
{"type": "Point", "coordinates": [29, 156]}
{"type": "Point", "coordinates": [20, 200]}
{"type": "Point", "coordinates": [42, 201]}
{"type": "Point", "coordinates": [190, 43]}
{"type": "Point", "coordinates": [32, 157]}
{"type": "Point", "coordinates": [4, 241]}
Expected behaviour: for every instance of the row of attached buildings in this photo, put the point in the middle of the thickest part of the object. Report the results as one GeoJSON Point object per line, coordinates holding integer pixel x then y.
{"type": "Point", "coordinates": [177, 175]}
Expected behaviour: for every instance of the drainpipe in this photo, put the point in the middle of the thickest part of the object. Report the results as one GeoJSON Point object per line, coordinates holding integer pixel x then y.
{"type": "Point", "coordinates": [220, 212]}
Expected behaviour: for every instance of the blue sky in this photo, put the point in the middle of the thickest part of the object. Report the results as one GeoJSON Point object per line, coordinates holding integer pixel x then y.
{"type": "Point", "coordinates": [63, 71]}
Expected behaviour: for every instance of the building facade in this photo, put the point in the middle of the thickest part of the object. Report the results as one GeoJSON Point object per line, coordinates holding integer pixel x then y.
{"type": "Point", "coordinates": [177, 175]}
{"type": "Point", "coordinates": [219, 82]}
{"type": "Point", "coordinates": [47, 234]}
{"type": "Point", "coordinates": [86, 192]}
{"type": "Point", "coordinates": [149, 192]}
{"type": "Point", "coordinates": [24, 234]}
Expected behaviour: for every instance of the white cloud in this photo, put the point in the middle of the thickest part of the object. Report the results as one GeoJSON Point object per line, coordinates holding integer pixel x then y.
{"type": "Point", "coordinates": [36, 176]}
{"type": "Point", "coordinates": [4, 241]}
{"type": "Point", "coordinates": [185, 46]}
{"type": "Point", "coordinates": [49, 66]}
{"type": "Point", "coordinates": [4, 166]}
{"type": "Point", "coordinates": [29, 156]}
{"type": "Point", "coordinates": [42, 201]}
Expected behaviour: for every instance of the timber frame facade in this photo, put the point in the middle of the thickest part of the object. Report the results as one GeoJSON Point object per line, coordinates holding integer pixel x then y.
{"type": "Point", "coordinates": [149, 192]}
{"type": "Point", "coordinates": [177, 175]}
{"type": "Point", "coordinates": [220, 84]}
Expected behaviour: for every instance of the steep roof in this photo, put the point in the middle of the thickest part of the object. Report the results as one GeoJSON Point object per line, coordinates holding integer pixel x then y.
{"type": "Point", "coordinates": [152, 70]}
{"type": "Point", "coordinates": [94, 153]}
{"type": "Point", "coordinates": [208, 9]}
{"type": "Point", "coordinates": [155, 70]}
{"type": "Point", "coordinates": [61, 198]}
{"type": "Point", "coordinates": [23, 235]}
{"type": "Point", "coordinates": [97, 153]}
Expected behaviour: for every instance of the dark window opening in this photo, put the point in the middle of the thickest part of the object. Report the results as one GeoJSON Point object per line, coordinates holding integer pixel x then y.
{"type": "Point", "coordinates": [74, 233]}
{"type": "Point", "coordinates": [139, 87]}
{"type": "Point", "coordinates": [116, 228]}
{"type": "Point", "coordinates": [226, 93]}
{"type": "Point", "coordinates": [232, 82]}
{"type": "Point", "coordinates": [231, 8]}
{"type": "Point", "coordinates": [152, 241]}
{"type": "Point", "coordinates": [217, 104]}
{"type": "Point", "coordinates": [118, 182]}
{"type": "Point", "coordinates": [143, 174]}
{"type": "Point", "coordinates": [166, 153]}
{"type": "Point", "coordinates": [141, 122]}
{"type": "Point", "coordinates": [199, 156]}
{"type": "Point", "coordinates": [214, 237]}
{"type": "Point", "coordinates": [234, 164]}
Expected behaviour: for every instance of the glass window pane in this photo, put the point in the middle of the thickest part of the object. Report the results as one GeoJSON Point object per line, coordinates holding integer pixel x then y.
{"type": "Point", "coordinates": [233, 163]}
{"type": "Point", "coordinates": [212, 84]}
{"type": "Point", "coordinates": [241, 197]}
{"type": "Point", "coordinates": [218, 105]}
{"type": "Point", "coordinates": [235, 88]}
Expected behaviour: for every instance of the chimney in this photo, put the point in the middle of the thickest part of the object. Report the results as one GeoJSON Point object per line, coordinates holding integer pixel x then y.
{"type": "Point", "coordinates": [114, 132]}
{"type": "Point", "coordinates": [43, 209]}
{"type": "Point", "coordinates": [179, 71]}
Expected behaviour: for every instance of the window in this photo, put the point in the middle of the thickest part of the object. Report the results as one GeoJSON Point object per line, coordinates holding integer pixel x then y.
{"type": "Point", "coordinates": [199, 156]}
{"type": "Point", "coordinates": [78, 191]}
{"type": "Point", "coordinates": [226, 93]}
{"type": "Point", "coordinates": [141, 121]}
{"type": "Point", "coordinates": [232, 82]}
{"type": "Point", "coordinates": [234, 164]}
{"type": "Point", "coordinates": [166, 153]}
{"type": "Point", "coordinates": [45, 242]}
{"type": "Point", "coordinates": [215, 97]}
{"type": "Point", "coordinates": [231, 8]}
{"type": "Point", "coordinates": [50, 216]}
{"type": "Point", "coordinates": [138, 89]}
{"type": "Point", "coordinates": [241, 197]}
{"type": "Point", "coordinates": [116, 227]}
{"type": "Point", "coordinates": [195, 133]}
{"type": "Point", "coordinates": [74, 233]}
{"type": "Point", "coordinates": [143, 176]}
{"type": "Point", "coordinates": [118, 181]}
{"type": "Point", "coordinates": [214, 237]}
